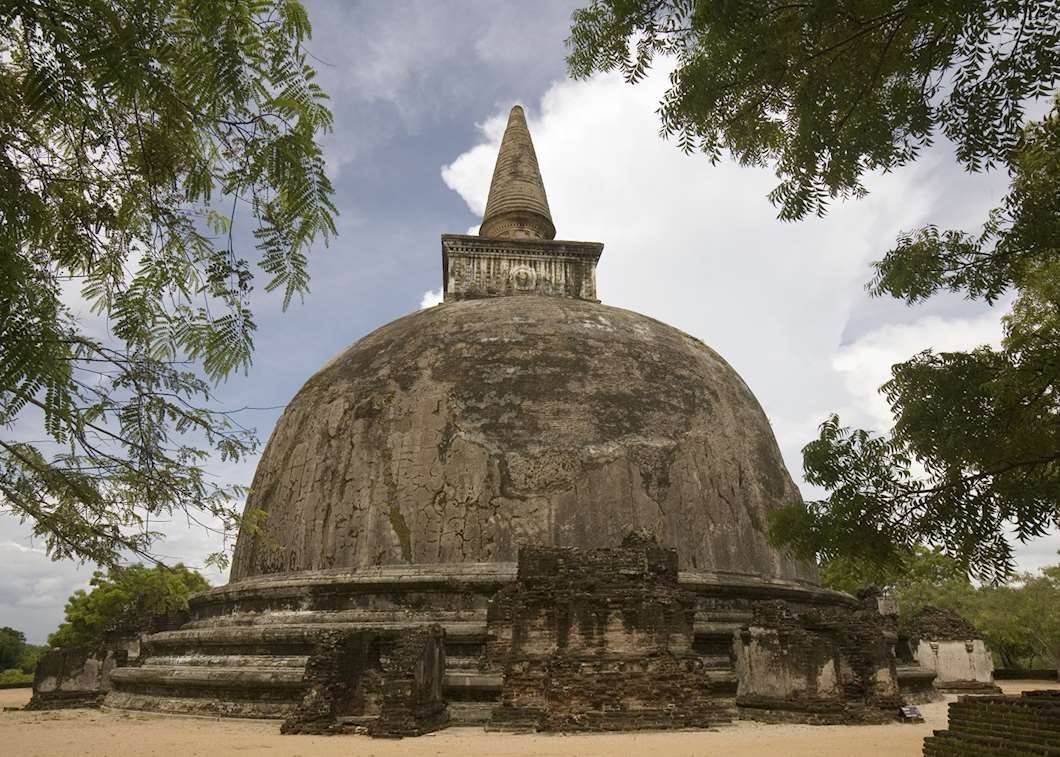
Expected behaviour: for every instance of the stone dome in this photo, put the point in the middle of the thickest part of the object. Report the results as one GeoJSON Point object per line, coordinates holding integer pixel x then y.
{"type": "Point", "coordinates": [459, 433]}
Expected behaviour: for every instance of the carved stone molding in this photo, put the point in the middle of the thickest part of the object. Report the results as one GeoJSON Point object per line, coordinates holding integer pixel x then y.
{"type": "Point", "coordinates": [477, 267]}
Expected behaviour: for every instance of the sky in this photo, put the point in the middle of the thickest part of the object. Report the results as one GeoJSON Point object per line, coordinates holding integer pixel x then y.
{"type": "Point", "coordinates": [420, 92]}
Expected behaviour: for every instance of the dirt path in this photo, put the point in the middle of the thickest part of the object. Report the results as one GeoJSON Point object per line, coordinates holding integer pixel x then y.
{"type": "Point", "coordinates": [94, 733]}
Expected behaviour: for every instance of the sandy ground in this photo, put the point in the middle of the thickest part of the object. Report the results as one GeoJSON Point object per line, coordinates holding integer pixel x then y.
{"type": "Point", "coordinates": [93, 733]}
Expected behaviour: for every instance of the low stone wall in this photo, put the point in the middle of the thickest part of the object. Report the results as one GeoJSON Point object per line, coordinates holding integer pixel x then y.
{"type": "Point", "coordinates": [385, 683]}
{"type": "Point", "coordinates": [598, 639]}
{"type": "Point", "coordinates": [73, 677]}
{"type": "Point", "coordinates": [823, 665]}
{"type": "Point", "coordinates": [997, 726]}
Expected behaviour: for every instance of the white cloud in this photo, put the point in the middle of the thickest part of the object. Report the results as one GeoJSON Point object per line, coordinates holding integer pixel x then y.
{"type": "Point", "coordinates": [865, 364]}
{"type": "Point", "coordinates": [431, 298]}
{"type": "Point", "coordinates": [35, 588]}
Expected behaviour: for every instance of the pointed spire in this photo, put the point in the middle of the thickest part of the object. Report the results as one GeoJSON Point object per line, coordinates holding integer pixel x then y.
{"type": "Point", "coordinates": [517, 206]}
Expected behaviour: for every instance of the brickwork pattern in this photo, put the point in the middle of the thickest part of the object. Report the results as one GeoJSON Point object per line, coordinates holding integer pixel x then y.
{"type": "Point", "coordinates": [599, 639]}
{"type": "Point", "coordinates": [1000, 726]}
{"type": "Point", "coordinates": [385, 683]}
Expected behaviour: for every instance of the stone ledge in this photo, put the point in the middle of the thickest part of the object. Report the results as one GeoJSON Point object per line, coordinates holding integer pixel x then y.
{"type": "Point", "coordinates": [487, 578]}
{"type": "Point", "coordinates": [201, 677]}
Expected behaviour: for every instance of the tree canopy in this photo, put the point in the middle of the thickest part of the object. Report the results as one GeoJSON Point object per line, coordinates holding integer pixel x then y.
{"type": "Point", "coordinates": [825, 92]}
{"type": "Point", "coordinates": [828, 90]}
{"type": "Point", "coordinates": [134, 136]}
{"type": "Point", "coordinates": [125, 598]}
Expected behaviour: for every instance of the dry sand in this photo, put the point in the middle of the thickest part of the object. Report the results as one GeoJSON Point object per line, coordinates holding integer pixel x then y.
{"type": "Point", "coordinates": [94, 733]}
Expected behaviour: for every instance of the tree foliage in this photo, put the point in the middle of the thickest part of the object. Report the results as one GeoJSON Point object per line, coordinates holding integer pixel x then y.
{"type": "Point", "coordinates": [12, 646]}
{"type": "Point", "coordinates": [18, 659]}
{"type": "Point", "coordinates": [125, 598]}
{"type": "Point", "coordinates": [828, 90]}
{"type": "Point", "coordinates": [132, 135]}
{"type": "Point", "coordinates": [975, 450]}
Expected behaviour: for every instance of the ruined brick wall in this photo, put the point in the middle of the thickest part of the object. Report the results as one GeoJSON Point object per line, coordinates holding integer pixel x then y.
{"type": "Point", "coordinates": [947, 644]}
{"type": "Point", "coordinates": [598, 639]}
{"type": "Point", "coordinates": [817, 665]}
{"type": "Point", "coordinates": [997, 726]}
{"type": "Point", "coordinates": [386, 683]}
{"type": "Point", "coordinates": [412, 702]}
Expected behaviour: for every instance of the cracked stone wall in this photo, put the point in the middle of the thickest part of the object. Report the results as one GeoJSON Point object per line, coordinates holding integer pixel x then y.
{"type": "Point", "coordinates": [462, 432]}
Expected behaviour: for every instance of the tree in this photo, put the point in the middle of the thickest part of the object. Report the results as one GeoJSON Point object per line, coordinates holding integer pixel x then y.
{"type": "Point", "coordinates": [12, 647]}
{"type": "Point", "coordinates": [925, 576]}
{"type": "Point", "coordinates": [132, 131]}
{"type": "Point", "coordinates": [17, 658]}
{"type": "Point", "coordinates": [825, 92]}
{"type": "Point", "coordinates": [125, 598]}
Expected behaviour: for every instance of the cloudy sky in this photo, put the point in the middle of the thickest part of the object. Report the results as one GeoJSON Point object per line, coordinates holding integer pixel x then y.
{"type": "Point", "coordinates": [420, 91]}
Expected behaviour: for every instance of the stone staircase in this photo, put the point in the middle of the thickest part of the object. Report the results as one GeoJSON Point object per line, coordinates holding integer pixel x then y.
{"type": "Point", "coordinates": [236, 666]}
{"type": "Point", "coordinates": [713, 642]}
{"type": "Point", "coordinates": [1000, 726]}
{"type": "Point", "coordinates": [256, 670]}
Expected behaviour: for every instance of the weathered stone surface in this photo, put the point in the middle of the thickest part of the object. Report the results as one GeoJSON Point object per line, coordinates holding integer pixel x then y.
{"type": "Point", "coordinates": [966, 666]}
{"type": "Point", "coordinates": [818, 665]}
{"type": "Point", "coordinates": [386, 683]}
{"type": "Point", "coordinates": [73, 677]}
{"type": "Point", "coordinates": [938, 624]}
{"type": "Point", "coordinates": [461, 432]}
{"type": "Point", "coordinates": [917, 684]}
{"type": "Point", "coordinates": [474, 267]}
{"type": "Point", "coordinates": [599, 639]}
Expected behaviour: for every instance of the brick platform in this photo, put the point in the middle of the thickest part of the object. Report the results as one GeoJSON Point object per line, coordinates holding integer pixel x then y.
{"type": "Point", "coordinates": [1000, 726]}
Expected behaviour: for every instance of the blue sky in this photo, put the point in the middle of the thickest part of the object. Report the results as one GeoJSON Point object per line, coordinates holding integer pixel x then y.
{"type": "Point", "coordinates": [419, 92]}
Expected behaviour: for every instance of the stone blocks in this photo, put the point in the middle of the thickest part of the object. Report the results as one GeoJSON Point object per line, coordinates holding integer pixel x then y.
{"type": "Point", "coordinates": [74, 677]}
{"type": "Point", "coordinates": [598, 639]}
{"type": "Point", "coordinates": [817, 665]}
{"type": "Point", "coordinates": [385, 683]}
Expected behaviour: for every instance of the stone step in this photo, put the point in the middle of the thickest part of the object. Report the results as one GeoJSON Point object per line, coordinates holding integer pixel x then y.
{"type": "Point", "coordinates": [279, 639]}
{"type": "Point", "coordinates": [197, 677]}
{"type": "Point", "coordinates": [331, 617]}
{"type": "Point", "coordinates": [470, 713]}
{"type": "Point", "coordinates": [717, 661]}
{"type": "Point", "coordinates": [226, 661]}
{"type": "Point", "coordinates": [178, 705]}
{"type": "Point", "coordinates": [458, 662]}
{"type": "Point", "coordinates": [464, 680]}
{"type": "Point", "coordinates": [715, 628]}
{"type": "Point", "coordinates": [914, 673]}
{"type": "Point", "coordinates": [737, 617]}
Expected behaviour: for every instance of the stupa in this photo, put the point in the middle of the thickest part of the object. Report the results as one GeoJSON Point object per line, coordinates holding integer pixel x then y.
{"type": "Point", "coordinates": [408, 475]}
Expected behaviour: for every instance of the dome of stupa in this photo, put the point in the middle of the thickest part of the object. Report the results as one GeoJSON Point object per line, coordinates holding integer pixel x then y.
{"type": "Point", "coordinates": [463, 431]}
